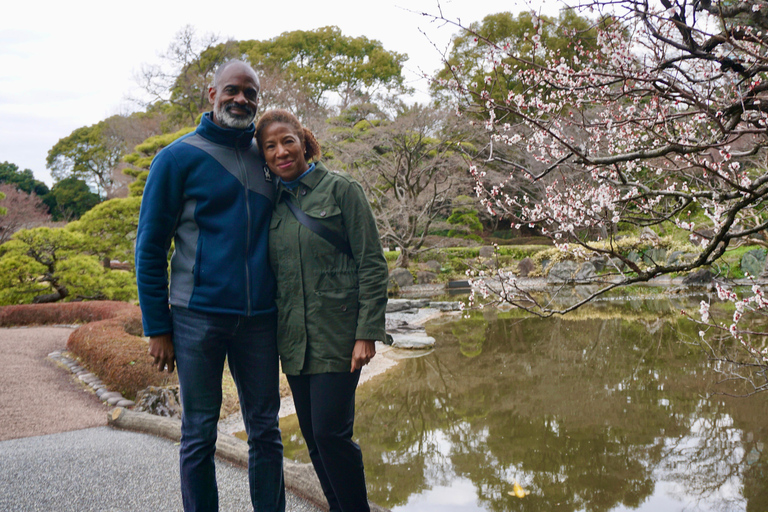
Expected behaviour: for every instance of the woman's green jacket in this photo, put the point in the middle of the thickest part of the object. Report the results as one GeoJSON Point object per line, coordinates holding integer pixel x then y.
{"type": "Point", "coordinates": [325, 299]}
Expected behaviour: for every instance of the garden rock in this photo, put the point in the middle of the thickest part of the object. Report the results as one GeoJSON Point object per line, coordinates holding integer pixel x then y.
{"type": "Point", "coordinates": [487, 251]}
{"type": "Point", "coordinates": [562, 272]}
{"type": "Point", "coordinates": [160, 401]}
{"type": "Point", "coordinates": [753, 262]}
{"type": "Point", "coordinates": [599, 262]}
{"type": "Point", "coordinates": [649, 235]}
{"type": "Point", "coordinates": [587, 272]}
{"type": "Point", "coordinates": [698, 278]}
{"type": "Point", "coordinates": [616, 263]}
{"type": "Point", "coordinates": [400, 278]}
{"type": "Point", "coordinates": [425, 277]}
{"type": "Point", "coordinates": [674, 257]}
{"type": "Point", "coordinates": [434, 266]}
{"type": "Point", "coordinates": [525, 267]}
{"type": "Point", "coordinates": [655, 256]}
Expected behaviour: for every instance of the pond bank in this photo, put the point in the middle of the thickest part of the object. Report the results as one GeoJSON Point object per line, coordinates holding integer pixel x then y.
{"type": "Point", "coordinates": [405, 320]}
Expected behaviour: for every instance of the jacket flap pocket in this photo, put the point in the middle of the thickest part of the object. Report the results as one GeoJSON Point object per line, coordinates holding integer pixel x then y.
{"type": "Point", "coordinates": [323, 211]}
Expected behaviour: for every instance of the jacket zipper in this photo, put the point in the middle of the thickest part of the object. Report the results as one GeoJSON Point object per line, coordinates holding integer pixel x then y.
{"type": "Point", "coordinates": [247, 233]}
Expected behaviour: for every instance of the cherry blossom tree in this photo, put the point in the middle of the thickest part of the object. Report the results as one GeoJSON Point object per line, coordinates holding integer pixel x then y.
{"type": "Point", "coordinates": [659, 123]}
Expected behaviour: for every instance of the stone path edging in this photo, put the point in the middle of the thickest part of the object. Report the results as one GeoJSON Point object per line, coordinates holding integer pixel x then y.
{"type": "Point", "coordinates": [90, 379]}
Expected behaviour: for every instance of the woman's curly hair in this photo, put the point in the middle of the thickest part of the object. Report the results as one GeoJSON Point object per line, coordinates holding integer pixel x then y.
{"type": "Point", "coordinates": [278, 115]}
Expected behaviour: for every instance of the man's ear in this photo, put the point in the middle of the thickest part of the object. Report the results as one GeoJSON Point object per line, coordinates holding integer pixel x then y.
{"type": "Point", "coordinates": [211, 95]}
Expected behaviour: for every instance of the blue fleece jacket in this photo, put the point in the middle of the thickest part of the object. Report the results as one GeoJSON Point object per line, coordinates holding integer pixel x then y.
{"type": "Point", "coordinates": [211, 192]}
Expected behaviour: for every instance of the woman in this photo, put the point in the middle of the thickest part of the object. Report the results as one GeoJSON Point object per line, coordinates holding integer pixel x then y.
{"type": "Point", "coordinates": [331, 299]}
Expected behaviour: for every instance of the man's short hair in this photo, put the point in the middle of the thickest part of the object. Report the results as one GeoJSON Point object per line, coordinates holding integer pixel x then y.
{"type": "Point", "coordinates": [224, 65]}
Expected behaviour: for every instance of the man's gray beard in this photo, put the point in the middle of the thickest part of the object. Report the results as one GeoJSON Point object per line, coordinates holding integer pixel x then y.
{"type": "Point", "coordinates": [231, 121]}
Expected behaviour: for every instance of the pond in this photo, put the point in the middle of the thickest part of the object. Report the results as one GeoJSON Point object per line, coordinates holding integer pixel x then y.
{"type": "Point", "coordinates": [607, 409]}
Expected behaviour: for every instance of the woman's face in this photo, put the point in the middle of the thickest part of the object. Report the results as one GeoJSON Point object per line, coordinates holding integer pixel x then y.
{"type": "Point", "coordinates": [283, 151]}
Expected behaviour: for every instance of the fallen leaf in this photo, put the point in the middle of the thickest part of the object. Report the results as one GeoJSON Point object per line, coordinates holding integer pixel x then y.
{"type": "Point", "coordinates": [518, 491]}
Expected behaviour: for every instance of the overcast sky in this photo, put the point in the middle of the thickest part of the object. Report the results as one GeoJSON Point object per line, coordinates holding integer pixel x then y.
{"type": "Point", "coordinates": [70, 64]}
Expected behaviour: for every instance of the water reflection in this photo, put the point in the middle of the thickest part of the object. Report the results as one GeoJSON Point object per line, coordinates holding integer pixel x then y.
{"type": "Point", "coordinates": [602, 410]}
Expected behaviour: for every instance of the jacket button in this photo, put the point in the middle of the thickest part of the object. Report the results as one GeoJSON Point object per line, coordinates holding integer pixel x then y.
{"type": "Point", "coordinates": [322, 214]}
{"type": "Point", "coordinates": [344, 307]}
{"type": "Point", "coordinates": [303, 191]}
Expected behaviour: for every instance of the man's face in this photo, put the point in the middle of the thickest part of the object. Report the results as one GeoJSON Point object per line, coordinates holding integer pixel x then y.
{"type": "Point", "coordinates": [235, 98]}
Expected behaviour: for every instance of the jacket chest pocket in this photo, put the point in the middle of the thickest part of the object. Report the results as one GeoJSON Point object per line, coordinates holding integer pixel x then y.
{"type": "Point", "coordinates": [329, 216]}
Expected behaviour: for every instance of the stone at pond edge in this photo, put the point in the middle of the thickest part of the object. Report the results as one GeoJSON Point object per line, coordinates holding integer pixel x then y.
{"type": "Point", "coordinates": [598, 262]}
{"type": "Point", "coordinates": [394, 305]}
{"type": "Point", "coordinates": [400, 278]}
{"type": "Point", "coordinates": [586, 272]}
{"type": "Point", "coordinates": [562, 272]}
{"type": "Point", "coordinates": [525, 267]}
{"type": "Point", "coordinates": [413, 340]}
{"type": "Point", "coordinates": [434, 266]}
{"type": "Point", "coordinates": [446, 306]}
{"type": "Point", "coordinates": [753, 262]}
{"type": "Point", "coordinates": [700, 277]}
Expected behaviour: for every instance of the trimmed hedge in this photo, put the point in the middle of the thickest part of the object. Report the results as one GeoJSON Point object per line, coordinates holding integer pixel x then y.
{"type": "Point", "coordinates": [109, 345]}
{"type": "Point", "coordinates": [62, 313]}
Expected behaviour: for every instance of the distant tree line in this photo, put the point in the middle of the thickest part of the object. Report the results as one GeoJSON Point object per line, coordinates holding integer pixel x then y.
{"type": "Point", "coordinates": [411, 159]}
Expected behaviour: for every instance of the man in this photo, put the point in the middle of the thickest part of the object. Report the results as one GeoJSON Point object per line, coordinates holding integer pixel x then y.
{"type": "Point", "coordinates": [210, 192]}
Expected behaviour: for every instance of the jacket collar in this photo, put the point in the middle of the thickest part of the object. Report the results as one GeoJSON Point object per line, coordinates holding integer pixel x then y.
{"type": "Point", "coordinates": [229, 137]}
{"type": "Point", "coordinates": [309, 181]}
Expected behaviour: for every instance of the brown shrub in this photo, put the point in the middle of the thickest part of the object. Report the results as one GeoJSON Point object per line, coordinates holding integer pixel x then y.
{"type": "Point", "coordinates": [112, 350]}
{"type": "Point", "coordinates": [63, 313]}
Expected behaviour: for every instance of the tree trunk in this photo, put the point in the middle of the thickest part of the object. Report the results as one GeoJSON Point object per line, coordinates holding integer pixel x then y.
{"type": "Point", "coordinates": [51, 297]}
{"type": "Point", "coordinates": [404, 259]}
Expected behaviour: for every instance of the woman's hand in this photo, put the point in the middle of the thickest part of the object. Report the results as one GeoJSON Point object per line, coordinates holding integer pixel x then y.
{"type": "Point", "coordinates": [362, 353]}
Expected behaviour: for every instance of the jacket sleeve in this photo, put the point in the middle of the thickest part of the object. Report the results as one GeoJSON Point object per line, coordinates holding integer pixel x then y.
{"type": "Point", "coordinates": [160, 206]}
{"type": "Point", "coordinates": [372, 269]}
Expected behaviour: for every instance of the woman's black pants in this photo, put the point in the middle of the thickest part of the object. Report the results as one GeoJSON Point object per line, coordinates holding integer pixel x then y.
{"type": "Point", "coordinates": [325, 406]}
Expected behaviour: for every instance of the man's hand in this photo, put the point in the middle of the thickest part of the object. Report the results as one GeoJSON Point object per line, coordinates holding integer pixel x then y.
{"type": "Point", "coordinates": [161, 348]}
{"type": "Point", "coordinates": [362, 353]}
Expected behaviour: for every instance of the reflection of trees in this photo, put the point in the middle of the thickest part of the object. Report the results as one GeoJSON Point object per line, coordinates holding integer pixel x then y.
{"type": "Point", "coordinates": [585, 412]}
{"type": "Point", "coordinates": [723, 450]}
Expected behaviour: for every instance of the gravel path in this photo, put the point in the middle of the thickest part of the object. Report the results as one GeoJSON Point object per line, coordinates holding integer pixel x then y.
{"type": "Point", "coordinates": [36, 396]}
{"type": "Point", "coordinates": [106, 470]}
{"type": "Point", "coordinates": [56, 452]}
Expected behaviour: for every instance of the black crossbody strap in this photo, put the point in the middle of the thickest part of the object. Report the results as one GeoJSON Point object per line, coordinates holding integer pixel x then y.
{"type": "Point", "coordinates": [316, 227]}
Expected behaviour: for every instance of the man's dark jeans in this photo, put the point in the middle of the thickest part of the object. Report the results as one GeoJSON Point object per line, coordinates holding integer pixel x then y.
{"type": "Point", "coordinates": [201, 342]}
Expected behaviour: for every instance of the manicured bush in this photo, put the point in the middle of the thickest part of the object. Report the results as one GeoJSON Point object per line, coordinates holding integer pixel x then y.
{"type": "Point", "coordinates": [62, 313]}
{"type": "Point", "coordinates": [112, 350]}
